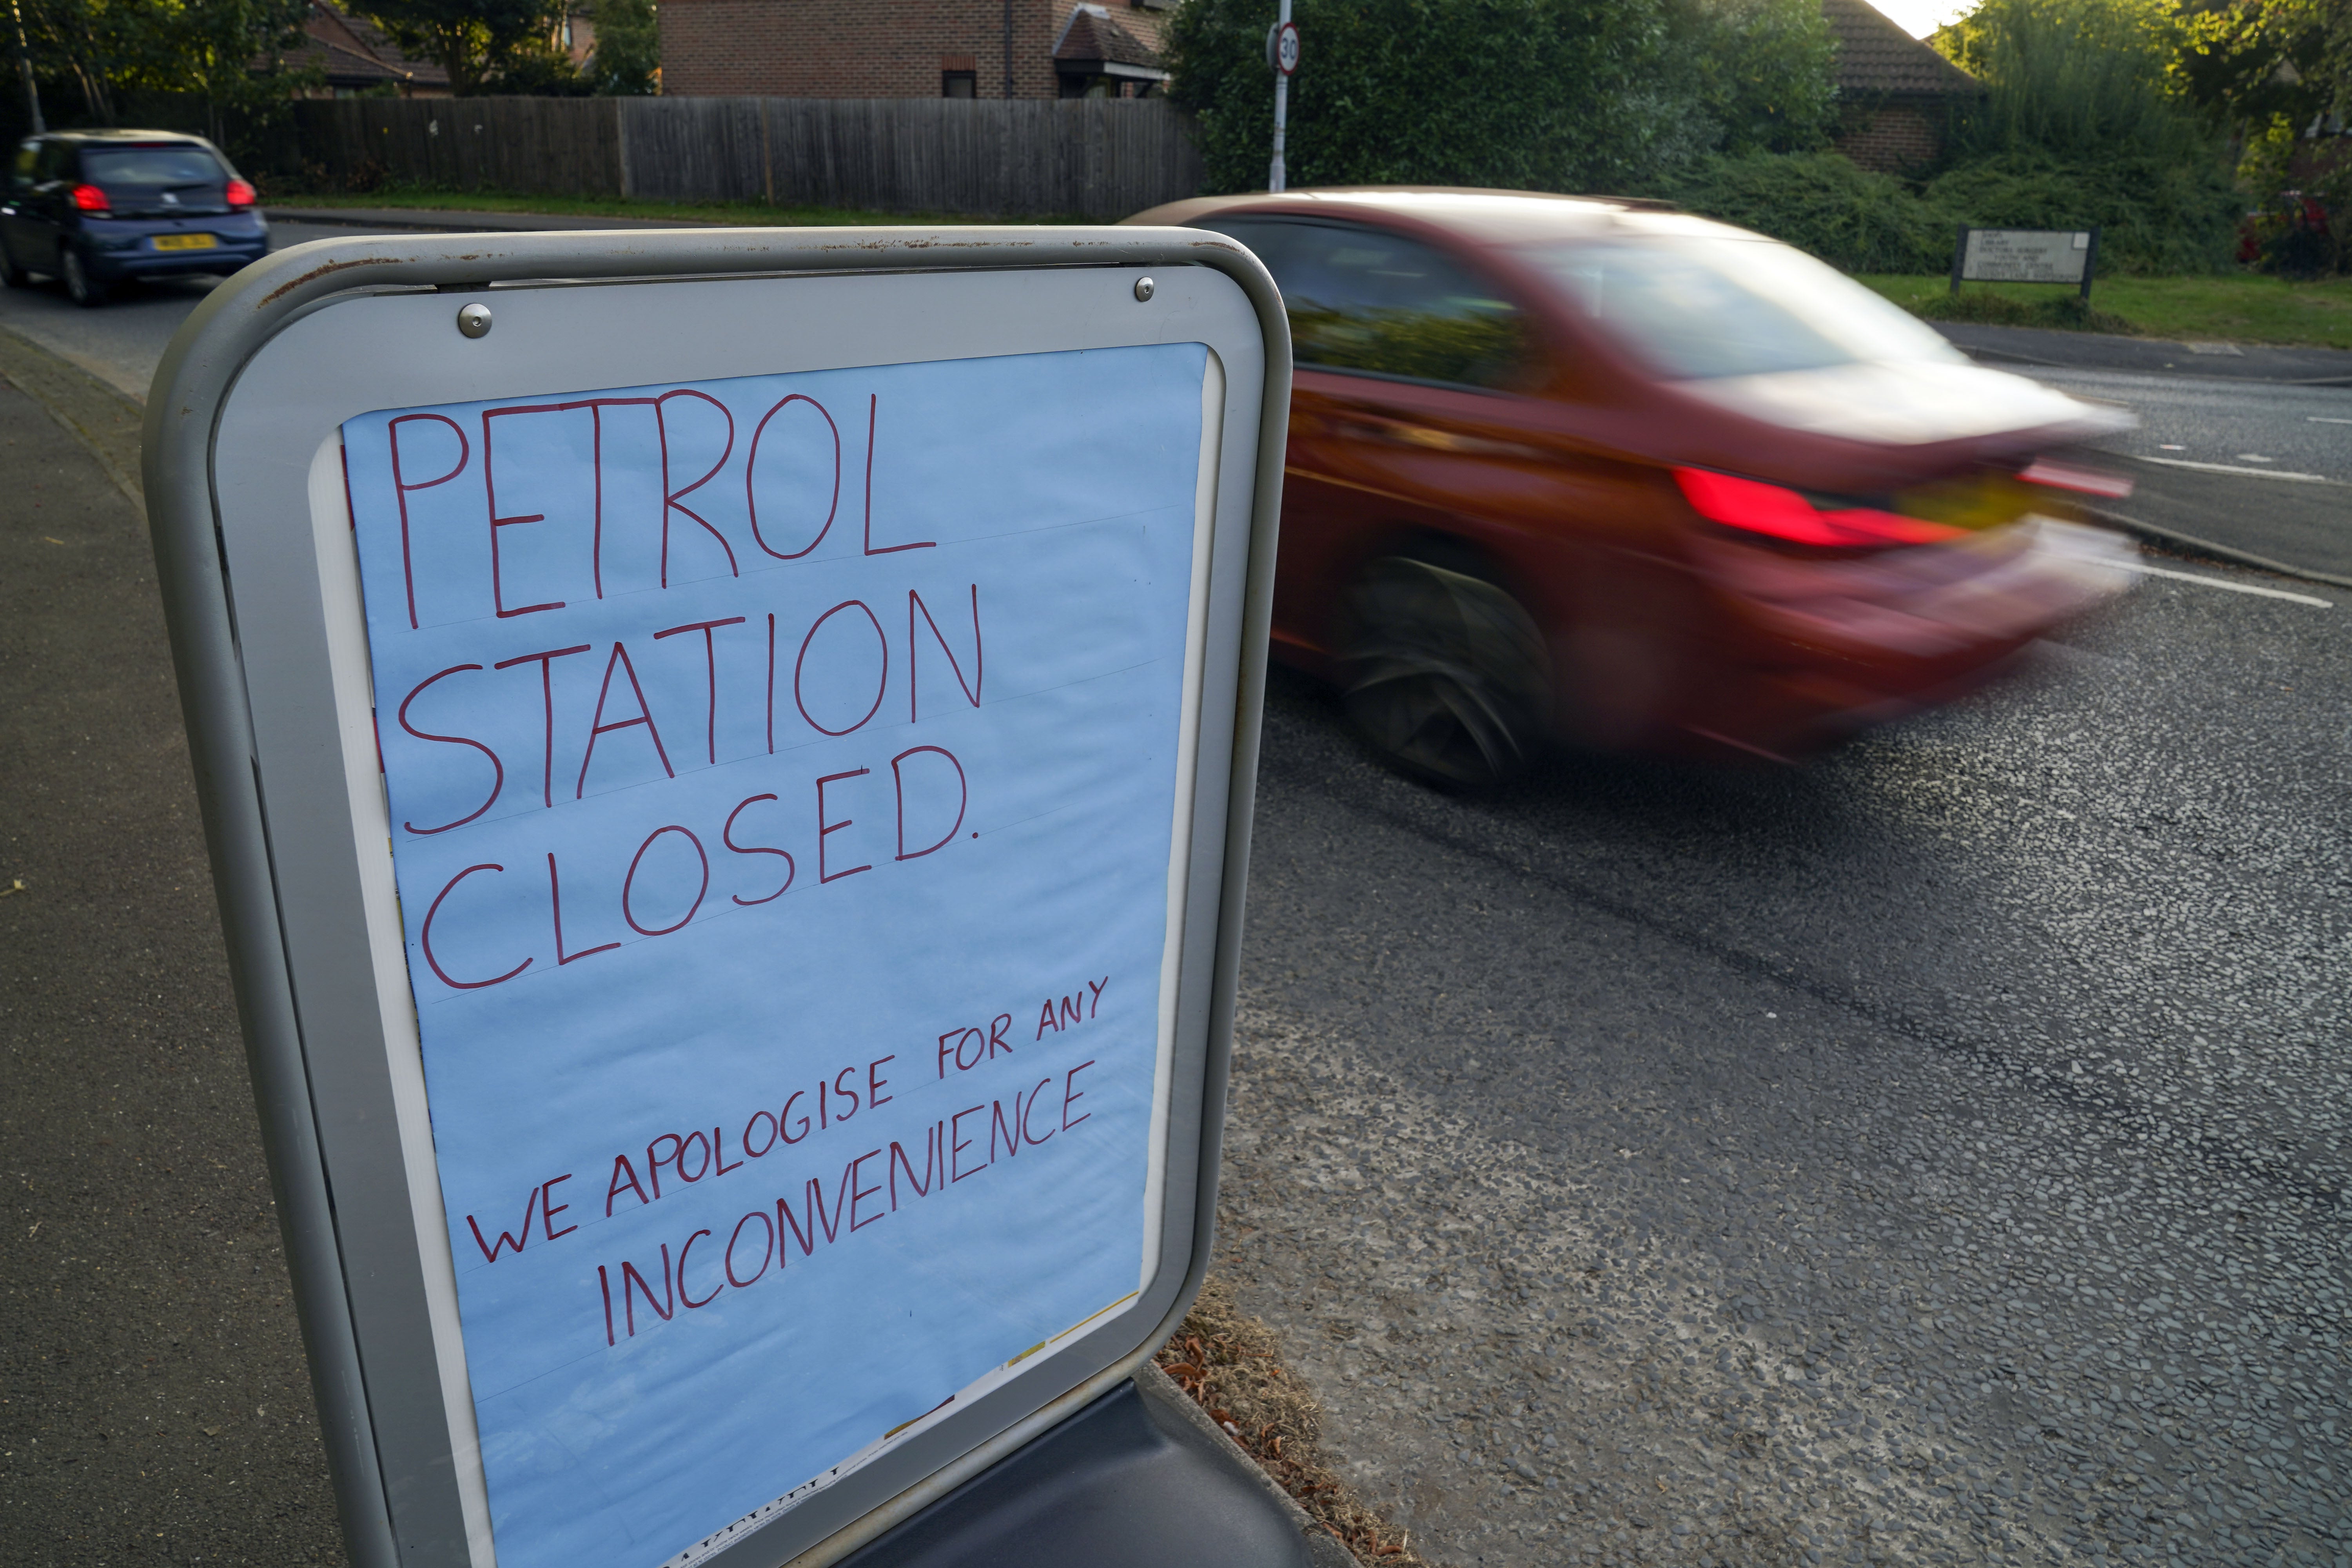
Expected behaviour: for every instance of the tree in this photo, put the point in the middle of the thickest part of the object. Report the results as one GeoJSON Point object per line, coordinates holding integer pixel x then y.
{"type": "Point", "coordinates": [1563, 95]}
{"type": "Point", "coordinates": [628, 48]}
{"type": "Point", "coordinates": [2085, 120]}
{"type": "Point", "coordinates": [1761, 72]}
{"type": "Point", "coordinates": [2078, 79]}
{"type": "Point", "coordinates": [2257, 61]}
{"type": "Point", "coordinates": [205, 49]}
{"type": "Point", "coordinates": [476, 41]}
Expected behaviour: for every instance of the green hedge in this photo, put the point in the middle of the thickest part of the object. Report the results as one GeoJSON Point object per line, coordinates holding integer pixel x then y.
{"type": "Point", "coordinates": [1824, 203]}
{"type": "Point", "coordinates": [2155, 217]}
{"type": "Point", "coordinates": [1547, 95]}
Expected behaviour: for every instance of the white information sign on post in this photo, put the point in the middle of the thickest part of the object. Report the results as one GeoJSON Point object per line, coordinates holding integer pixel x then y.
{"type": "Point", "coordinates": [725, 821]}
{"type": "Point", "coordinates": [2026, 256]}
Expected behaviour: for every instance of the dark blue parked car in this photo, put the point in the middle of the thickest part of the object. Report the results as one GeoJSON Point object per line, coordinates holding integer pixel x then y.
{"type": "Point", "coordinates": [91, 209]}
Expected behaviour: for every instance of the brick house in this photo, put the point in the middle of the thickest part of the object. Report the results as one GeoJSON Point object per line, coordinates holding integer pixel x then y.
{"type": "Point", "coordinates": [355, 55]}
{"type": "Point", "coordinates": [1896, 95]}
{"type": "Point", "coordinates": [950, 49]}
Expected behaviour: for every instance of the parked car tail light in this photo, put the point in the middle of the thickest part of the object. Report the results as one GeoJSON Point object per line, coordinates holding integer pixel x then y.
{"type": "Point", "coordinates": [2082, 482]}
{"type": "Point", "coordinates": [240, 193]}
{"type": "Point", "coordinates": [1777, 512]}
{"type": "Point", "coordinates": [90, 199]}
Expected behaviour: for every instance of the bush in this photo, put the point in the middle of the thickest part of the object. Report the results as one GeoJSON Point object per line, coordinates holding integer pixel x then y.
{"type": "Point", "coordinates": [2154, 216]}
{"type": "Point", "coordinates": [1556, 95]}
{"type": "Point", "coordinates": [1762, 72]}
{"type": "Point", "coordinates": [1824, 204]}
{"type": "Point", "coordinates": [627, 60]}
{"type": "Point", "coordinates": [1535, 94]}
{"type": "Point", "coordinates": [2080, 80]}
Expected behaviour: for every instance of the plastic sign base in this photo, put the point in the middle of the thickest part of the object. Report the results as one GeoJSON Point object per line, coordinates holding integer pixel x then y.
{"type": "Point", "coordinates": [1127, 1482]}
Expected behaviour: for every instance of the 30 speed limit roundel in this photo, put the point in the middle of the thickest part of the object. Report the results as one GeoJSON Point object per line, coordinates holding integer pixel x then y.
{"type": "Point", "coordinates": [1286, 48]}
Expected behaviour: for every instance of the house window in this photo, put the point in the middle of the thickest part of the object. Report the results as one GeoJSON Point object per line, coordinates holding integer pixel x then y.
{"type": "Point", "coordinates": [959, 84]}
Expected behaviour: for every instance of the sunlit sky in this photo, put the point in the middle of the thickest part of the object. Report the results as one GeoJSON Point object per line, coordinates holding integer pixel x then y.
{"type": "Point", "coordinates": [1921, 18]}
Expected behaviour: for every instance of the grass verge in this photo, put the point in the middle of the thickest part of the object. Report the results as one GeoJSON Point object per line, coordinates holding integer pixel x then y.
{"type": "Point", "coordinates": [2245, 307]}
{"type": "Point", "coordinates": [755, 215]}
{"type": "Point", "coordinates": [1232, 1364]}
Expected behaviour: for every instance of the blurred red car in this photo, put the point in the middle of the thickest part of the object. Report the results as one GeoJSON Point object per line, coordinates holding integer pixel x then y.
{"type": "Point", "coordinates": [1589, 470]}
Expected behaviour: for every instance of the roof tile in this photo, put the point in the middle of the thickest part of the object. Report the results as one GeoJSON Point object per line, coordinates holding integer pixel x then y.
{"type": "Point", "coordinates": [1875, 56]}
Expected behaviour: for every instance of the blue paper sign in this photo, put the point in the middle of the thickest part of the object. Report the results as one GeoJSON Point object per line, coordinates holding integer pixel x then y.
{"type": "Point", "coordinates": [783, 784]}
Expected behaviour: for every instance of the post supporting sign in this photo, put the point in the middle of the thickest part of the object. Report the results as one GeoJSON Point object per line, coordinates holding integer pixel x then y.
{"type": "Point", "coordinates": [2026, 256]}
{"type": "Point", "coordinates": [1282, 54]}
{"type": "Point", "coordinates": [727, 758]}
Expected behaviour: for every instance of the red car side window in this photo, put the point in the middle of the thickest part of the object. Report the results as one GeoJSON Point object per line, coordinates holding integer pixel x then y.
{"type": "Point", "coordinates": [1361, 298]}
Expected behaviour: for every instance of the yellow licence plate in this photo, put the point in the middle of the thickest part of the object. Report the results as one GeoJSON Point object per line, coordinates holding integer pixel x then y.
{"type": "Point", "coordinates": [186, 242]}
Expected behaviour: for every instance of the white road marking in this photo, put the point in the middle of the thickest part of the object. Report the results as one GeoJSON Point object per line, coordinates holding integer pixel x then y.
{"type": "Point", "coordinates": [2147, 570]}
{"type": "Point", "coordinates": [2227, 468]}
{"type": "Point", "coordinates": [2323, 419]}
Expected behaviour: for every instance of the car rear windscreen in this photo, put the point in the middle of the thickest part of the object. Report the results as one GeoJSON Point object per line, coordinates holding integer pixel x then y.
{"type": "Point", "coordinates": [150, 168]}
{"type": "Point", "coordinates": [1700, 307]}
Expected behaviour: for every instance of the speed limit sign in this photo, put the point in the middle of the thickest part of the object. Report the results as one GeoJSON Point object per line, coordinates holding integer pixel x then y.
{"type": "Point", "coordinates": [1282, 48]}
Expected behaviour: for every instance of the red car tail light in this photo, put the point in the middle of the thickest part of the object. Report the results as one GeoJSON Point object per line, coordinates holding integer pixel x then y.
{"type": "Point", "coordinates": [1777, 512]}
{"type": "Point", "coordinates": [90, 199]}
{"type": "Point", "coordinates": [2084, 481]}
{"type": "Point", "coordinates": [240, 193]}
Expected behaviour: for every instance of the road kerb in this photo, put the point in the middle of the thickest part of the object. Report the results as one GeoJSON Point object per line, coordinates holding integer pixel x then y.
{"type": "Point", "coordinates": [2189, 545]}
{"type": "Point", "coordinates": [101, 417]}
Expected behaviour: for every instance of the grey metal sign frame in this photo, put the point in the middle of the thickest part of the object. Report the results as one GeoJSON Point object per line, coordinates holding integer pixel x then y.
{"type": "Point", "coordinates": [263, 373]}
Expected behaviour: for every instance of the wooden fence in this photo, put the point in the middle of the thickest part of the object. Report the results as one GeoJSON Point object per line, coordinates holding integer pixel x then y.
{"type": "Point", "coordinates": [563, 146]}
{"type": "Point", "coordinates": [1095, 158]}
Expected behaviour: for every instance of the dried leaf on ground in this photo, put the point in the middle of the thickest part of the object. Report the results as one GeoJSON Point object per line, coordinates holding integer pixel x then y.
{"type": "Point", "coordinates": [1231, 1365]}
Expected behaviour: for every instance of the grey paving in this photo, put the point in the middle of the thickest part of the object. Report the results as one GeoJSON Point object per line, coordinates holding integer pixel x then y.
{"type": "Point", "coordinates": [154, 1406]}
{"type": "Point", "coordinates": [457, 220]}
{"type": "Point", "coordinates": [1936, 1156]}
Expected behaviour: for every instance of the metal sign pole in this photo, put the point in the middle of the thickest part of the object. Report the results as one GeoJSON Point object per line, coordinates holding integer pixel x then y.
{"type": "Point", "coordinates": [1282, 53]}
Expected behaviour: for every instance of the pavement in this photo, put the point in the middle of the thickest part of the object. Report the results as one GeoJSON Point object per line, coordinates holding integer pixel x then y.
{"type": "Point", "coordinates": [154, 1405]}
{"type": "Point", "coordinates": [435, 220]}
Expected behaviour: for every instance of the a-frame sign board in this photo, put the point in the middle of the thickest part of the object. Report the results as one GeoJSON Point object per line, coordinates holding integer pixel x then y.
{"type": "Point", "coordinates": [726, 757]}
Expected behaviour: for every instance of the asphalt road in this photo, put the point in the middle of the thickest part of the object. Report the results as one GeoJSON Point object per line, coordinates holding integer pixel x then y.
{"type": "Point", "coordinates": [1939, 1154]}
{"type": "Point", "coordinates": [2252, 428]}
{"type": "Point", "coordinates": [123, 340]}
{"type": "Point", "coordinates": [2264, 467]}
